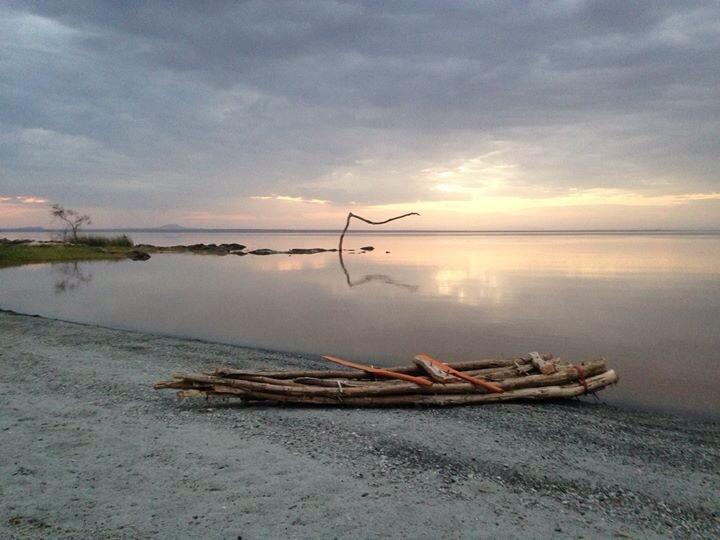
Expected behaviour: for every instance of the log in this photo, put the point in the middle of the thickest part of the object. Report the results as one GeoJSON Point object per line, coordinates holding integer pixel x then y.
{"type": "Point", "coordinates": [318, 374]}
{"type": "Point", "coordinates": [547, 392]}
{"type": "Point", "coordinates": [270, 380]}
{"type": "Point", "coordinates": [221, 389]}
{"type": "Point", "coordinates": [332, 383]}
{"type": "Point", "coordinates": [491, 362]}
{"type": "Point", "coordinates": [485, 363]}
{"type": "Point", "coordinates": [496, 374]}
{"type": "Point", "coordinates": [303, 390]}
{"type": "Point", "coordinates": [560, 377]}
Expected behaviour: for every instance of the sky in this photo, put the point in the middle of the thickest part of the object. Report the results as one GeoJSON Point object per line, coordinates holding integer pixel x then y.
{"type": "Point", "coordinates": [573, 114]}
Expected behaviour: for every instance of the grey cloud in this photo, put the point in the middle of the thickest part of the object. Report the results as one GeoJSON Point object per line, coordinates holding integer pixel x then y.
{"type": "Point", "coordinates": [192, 102]}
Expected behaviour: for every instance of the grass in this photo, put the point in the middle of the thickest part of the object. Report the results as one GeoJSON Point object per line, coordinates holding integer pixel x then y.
{"type": "Point", "coordinates": [105, 241]}
{"type": "Point", "coordinates": [19, 254]}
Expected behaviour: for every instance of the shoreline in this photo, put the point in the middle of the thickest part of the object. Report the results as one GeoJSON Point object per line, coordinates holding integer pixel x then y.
{"type": "Point", "coordinates": [625, 405]}
{"type": "Point", "coordinates": [91, 449]}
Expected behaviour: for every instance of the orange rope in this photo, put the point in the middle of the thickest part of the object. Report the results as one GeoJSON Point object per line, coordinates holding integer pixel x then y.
{"type": "Point", "coordinates": [581, 377]}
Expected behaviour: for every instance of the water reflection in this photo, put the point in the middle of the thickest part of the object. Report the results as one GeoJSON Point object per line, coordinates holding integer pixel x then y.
{"type": "Point", "coordinates": [72, 276]}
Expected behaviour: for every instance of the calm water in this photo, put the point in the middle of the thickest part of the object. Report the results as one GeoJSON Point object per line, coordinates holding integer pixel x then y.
{"type": "Point", "coordinates": [651, 304]}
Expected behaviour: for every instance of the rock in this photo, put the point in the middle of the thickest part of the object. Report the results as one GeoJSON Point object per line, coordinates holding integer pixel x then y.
{"type": "Point", "coordinates": [367, 248]}
{"type": "Point", "coordinates": [233, 247]}
{"type": "Point", "coordinates": [306, 251]}
{"type": "Point", "coordinates": [14, 242]}
{"type": "Point", "coordinates": [222, 249]}
{"type": "Point", "coordinates": [137, 255]}
{"type": "Point", "coordinates": [264, 252]}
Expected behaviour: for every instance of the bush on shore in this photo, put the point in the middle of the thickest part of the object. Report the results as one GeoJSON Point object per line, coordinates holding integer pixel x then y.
{"type": "Point", "coordinates": [19, 254]}
{"type": "Point", "coordinates": [122, 240]}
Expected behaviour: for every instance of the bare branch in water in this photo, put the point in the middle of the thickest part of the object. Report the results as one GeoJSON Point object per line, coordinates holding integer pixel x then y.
{"type": "Point", "coordinates": [351, 215]}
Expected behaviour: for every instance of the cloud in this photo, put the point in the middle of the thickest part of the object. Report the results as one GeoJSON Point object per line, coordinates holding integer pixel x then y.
{"type": "Point", "coordinates": [143, 107]}
{"type": "Point", "coordinates": [288, 198]}
{"type": "Point", "coordinates": [24, 199]}
{"type": "Point", "coordinates": [23, 210]}
{"type": "Point", "coordinates": [31, 200]}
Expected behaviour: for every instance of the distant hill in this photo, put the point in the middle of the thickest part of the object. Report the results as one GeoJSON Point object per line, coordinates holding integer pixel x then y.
{"type": "Point", "coordinates": [25, 229]}
{"type": "Point", "coordinates": [171, 227]}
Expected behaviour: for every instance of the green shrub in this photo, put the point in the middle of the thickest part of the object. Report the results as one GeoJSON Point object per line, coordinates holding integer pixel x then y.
{"type": "Point", "coordinates": [105, 241]}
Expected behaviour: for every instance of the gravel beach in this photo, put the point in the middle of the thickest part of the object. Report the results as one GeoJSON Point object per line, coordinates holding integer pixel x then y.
{"type": "Point", "coordinates": [89, 450]}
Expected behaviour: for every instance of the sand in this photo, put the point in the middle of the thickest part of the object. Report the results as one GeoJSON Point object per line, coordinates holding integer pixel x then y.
{"type": "Point", "coordinates": [89, 450]}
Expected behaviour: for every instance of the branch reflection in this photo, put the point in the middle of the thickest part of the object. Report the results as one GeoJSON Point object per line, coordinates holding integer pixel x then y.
{"type": "Point", "coordinates": [377, 278]}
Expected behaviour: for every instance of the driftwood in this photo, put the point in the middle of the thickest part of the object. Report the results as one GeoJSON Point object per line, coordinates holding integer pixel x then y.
{"type": "Point", "coordinates": [543, 366]}
{"type": "Point", "coordinates": [434, 372]}
{"type": "Point", "coordinates": [351, 215]}
{"type": "Point", "coordinates": [500, 380]}
{"type": "Point", "coordinates": [485, 363]}
{"type": "Point", "coordinates": [500, 375]}
{"type": "Point", "coordinates": [339, 390]}
{"type": "Point", "coordinates": [533, 393]}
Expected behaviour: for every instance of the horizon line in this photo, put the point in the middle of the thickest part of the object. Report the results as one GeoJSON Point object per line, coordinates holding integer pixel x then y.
{"type": "Point", "coordinates": [162, 229]}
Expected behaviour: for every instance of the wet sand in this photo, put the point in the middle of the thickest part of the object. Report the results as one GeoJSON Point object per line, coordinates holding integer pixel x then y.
{"type": "Point", "coordinates": [89, 449]}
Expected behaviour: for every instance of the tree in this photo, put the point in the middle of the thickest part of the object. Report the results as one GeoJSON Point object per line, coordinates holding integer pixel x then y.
{"type": "Point", "coordinates": [72, 220]}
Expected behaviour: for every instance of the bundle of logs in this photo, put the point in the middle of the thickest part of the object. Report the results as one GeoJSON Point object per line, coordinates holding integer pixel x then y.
{"type": "Point", "coordinates": [426, 382]}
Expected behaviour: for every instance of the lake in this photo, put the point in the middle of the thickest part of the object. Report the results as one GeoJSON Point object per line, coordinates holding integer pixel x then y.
{"type": "Point", "coordinates": [650, 303]}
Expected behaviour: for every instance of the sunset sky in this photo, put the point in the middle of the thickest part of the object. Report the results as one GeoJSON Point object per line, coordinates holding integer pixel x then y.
{"type": "Point", "coordinates": [479, 115]}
